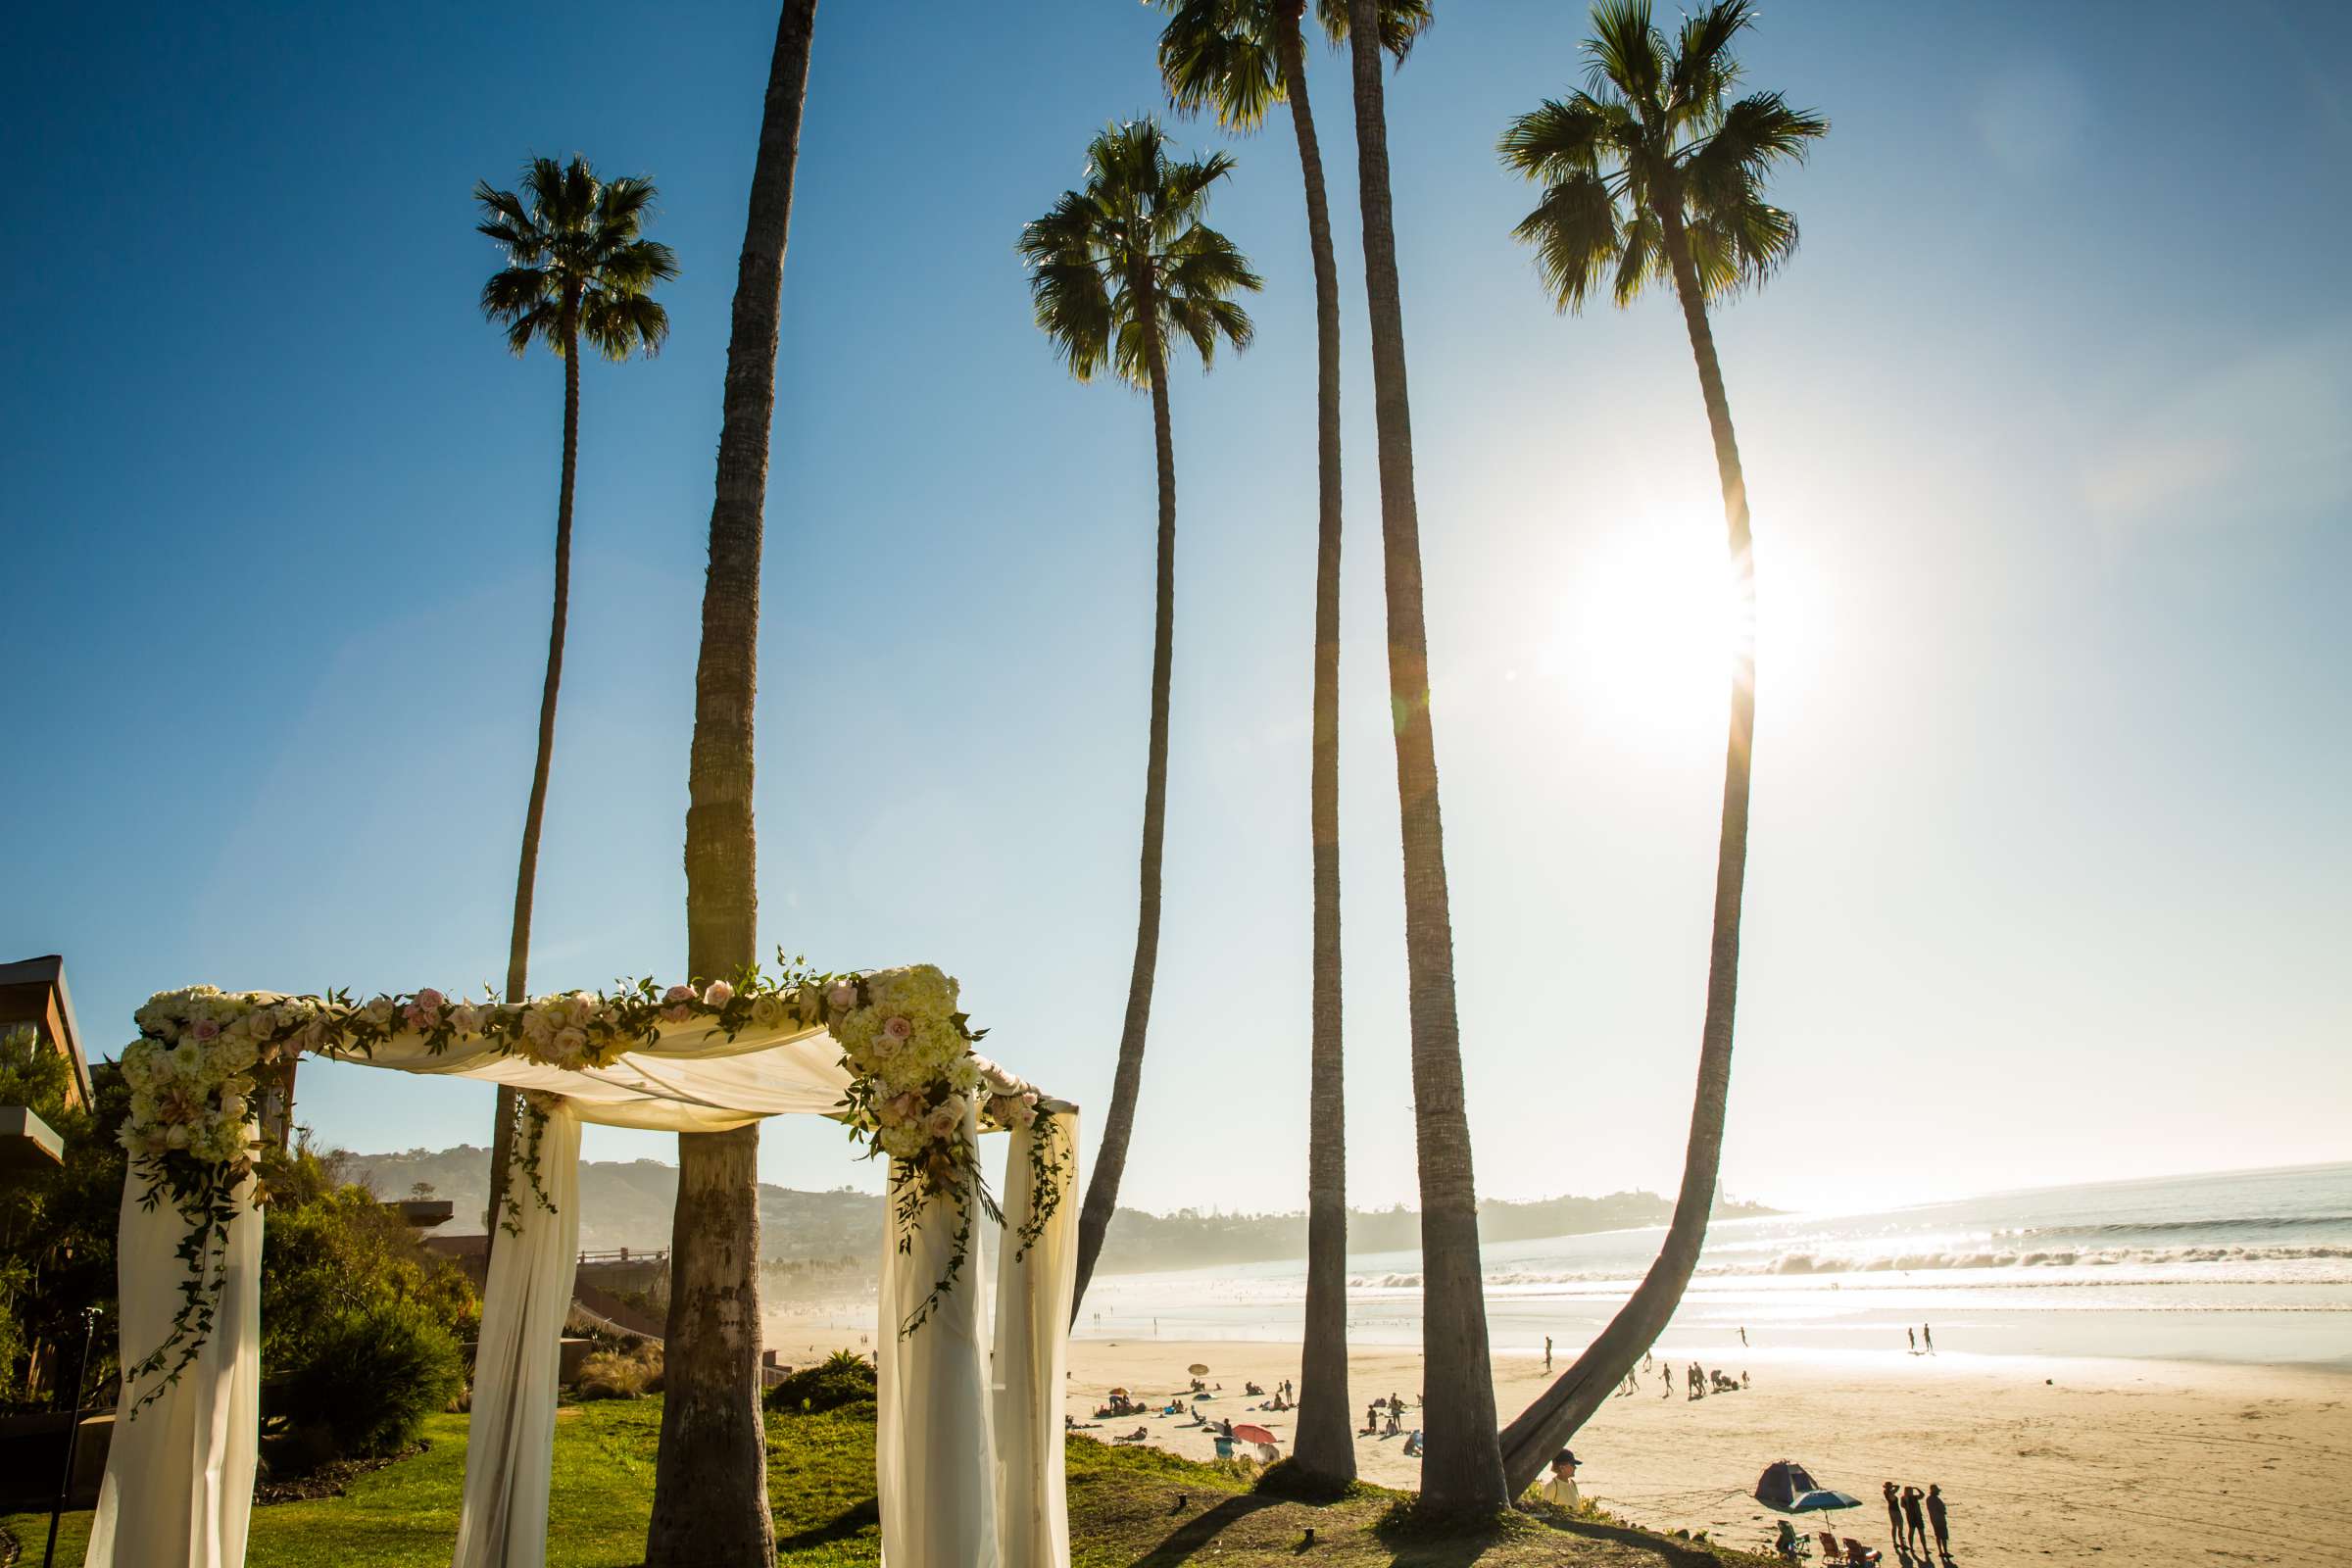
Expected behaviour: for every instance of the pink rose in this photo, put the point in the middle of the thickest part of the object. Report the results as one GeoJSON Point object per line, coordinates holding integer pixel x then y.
{"type": "Point", "coordinates": [678, 994]}
{"type": "Point", "coordinates": [431, 1000]}
{"type": "Point", "coordinates": [843, 995]}
{"type": "Point", "coordinates": [678, 1013]}
{"type": "Point", "coordinates": [205, 1029]}
{"type": "Point", "coordinates": [720, 994]}
{"type": "Point", "coordinates": [898, 1028]}
{"type": "Point", "coordinates": [421, 1016]}
{"type": "Point", "coordinates": [942, 1122]}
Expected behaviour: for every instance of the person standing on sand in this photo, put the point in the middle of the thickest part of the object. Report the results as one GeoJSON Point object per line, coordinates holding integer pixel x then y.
{"type": "Point", "coordinates": [1928, 1335]}
{"type": "Point", "coordinates": [1548, 1355]}
{"type": "Point", "coordinates": [1912, 1498]}
{"type": "Point", "coordinates": [1894, 1513]}
{"type": "Point", "coordinates": [1937, 1522]}
{"type": "Point", "coordinates": [1911, 1338]}
{"type": "Point", "coordinates": [1666, 1380]}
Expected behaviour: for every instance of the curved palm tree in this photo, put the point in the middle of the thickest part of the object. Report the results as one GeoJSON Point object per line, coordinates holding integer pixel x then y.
{"type": "Point", "coordinates": [1651, 177]}
{"type": "Point", "coordinates": [1118, 270]}
{"type": "Point", "coordinates": [710, 1468]}
{"type": "Point", "coordinates": [1464, 1467]}
{"type": "Point", "coordinates": [1238, 58]}
{"type": "Point", "coordinates": [578, 266]}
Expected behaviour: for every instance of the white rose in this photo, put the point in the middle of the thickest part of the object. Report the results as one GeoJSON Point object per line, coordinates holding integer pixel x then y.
{"type": "Point", "coordinates": [175, 1135]}
{"type": "Point", "coordinates": [464, 1019]}
{"type": "Point", "coordinates": [768, 1013]}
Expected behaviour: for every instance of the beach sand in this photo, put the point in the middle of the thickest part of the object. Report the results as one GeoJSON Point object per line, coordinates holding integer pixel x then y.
{"type": "Point", "coordinates": [2129, 1462]}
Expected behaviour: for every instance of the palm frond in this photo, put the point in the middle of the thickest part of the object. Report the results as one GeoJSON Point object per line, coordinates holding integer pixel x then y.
{"type": "Point", "coordinates": [1564, 137]}
{"type": "Point", "coordinates": [1576, 232]}
{"type": "Point", "coordinates": [1704, 68]}
{"type": "Point", "coordinates": [618, 326]}
{"type": "Point", "coordinates": [1643, 260]}
{"type": "Point", "coordinates": [1222, 56]}
{"type": "Point", "coordinates": [1626, 52]}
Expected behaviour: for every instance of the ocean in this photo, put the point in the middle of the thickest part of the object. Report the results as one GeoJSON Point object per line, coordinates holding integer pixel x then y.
{"type": "Point", "coordinates": [2250, 1266]}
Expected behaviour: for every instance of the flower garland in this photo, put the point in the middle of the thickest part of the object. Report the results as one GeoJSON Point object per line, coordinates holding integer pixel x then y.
{"type": "Point", "coordinates": [916, 1093]}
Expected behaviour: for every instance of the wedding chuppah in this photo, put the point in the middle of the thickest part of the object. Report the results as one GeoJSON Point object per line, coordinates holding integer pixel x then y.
{"type": "Point", "coordinates": [968, 1460]}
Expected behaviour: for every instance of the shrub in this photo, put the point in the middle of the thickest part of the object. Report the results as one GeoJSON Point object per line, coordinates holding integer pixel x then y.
{"type": "Point", "coordinates": [630, 1373]}
{"type": "Point", "coordinates": [842, 1378]}
{"type": "Point", "coordinates": [371, 1378]}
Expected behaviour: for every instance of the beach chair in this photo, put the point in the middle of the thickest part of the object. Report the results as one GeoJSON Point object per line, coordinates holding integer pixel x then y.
{"type": "Point", "coordinates": [1857, 1556]}
{"type": "Point", "coordinates": [1831, 1552]}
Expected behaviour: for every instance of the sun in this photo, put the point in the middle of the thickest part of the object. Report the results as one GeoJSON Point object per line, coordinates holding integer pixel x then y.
{"type": "Point", "coordinates": [1654, 627]}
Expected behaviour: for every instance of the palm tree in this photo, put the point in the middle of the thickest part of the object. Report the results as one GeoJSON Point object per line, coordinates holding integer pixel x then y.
{"type": "Point", "coordinates": [578, 266]}
{"type": "Point", "coordinates": [710, 1472]}
{"type": "Point", "coordinates": [1649, 177]}
{"type": "Point", "coordinates": [1239, 58]}
{"type": "Point", "coordinates": [1464, 1468]}
{"type": "Point", "coordinates": [1117, 269]}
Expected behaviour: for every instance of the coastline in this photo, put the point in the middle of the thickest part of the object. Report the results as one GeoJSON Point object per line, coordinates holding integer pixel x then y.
{"type": "Point", "coordinates": [2137, 1462]}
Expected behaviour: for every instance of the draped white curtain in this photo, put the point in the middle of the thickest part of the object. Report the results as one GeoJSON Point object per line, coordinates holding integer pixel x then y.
{"type": "Point", "coordinates": [179, 1486]}
{"type": "Point", "coordinates": [511, 1435]}
{"type": "Point", "coordinates": [969, 1444]}
{"type": "Point", "coordinates": [1033, 1317]}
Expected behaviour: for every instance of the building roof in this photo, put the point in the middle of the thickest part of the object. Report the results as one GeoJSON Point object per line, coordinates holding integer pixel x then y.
{"type": "Point", "coordinates": [49, 971]}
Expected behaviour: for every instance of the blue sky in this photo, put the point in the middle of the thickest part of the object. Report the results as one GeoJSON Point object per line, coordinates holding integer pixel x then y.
{"type": "Point", "coordinates": [2045, 426]}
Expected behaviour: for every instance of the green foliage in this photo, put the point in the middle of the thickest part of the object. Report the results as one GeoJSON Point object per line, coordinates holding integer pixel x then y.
{"type": "Point", "coordinates": [1120, 267]}
{"type": "Point", "coordinates": [57, 1226]}
{"type": "Point", "coordinates": [329, 1252]}
{"type": "Point", "coordinates": [630, 1373]}
{"type": "Point", "coordinates": [577, 261]}
{"type": "Point", "coordinates": [371, 1378]}
{"type": "Point", "coordinates": [1649, 158]}
{"type": "Point", "coordinates": [841, 1380]}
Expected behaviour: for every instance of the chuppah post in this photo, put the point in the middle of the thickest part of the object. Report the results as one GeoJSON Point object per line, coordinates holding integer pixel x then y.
{"type": "Point", "coordinates": [1035, 1282]}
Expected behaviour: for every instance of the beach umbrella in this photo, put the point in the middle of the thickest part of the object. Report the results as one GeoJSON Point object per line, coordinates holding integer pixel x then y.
{"type": "Point", "coordinates": [1118, 1393]}
{"type": "Point", "coordinates": [1197, 1370]}
{"type": "Point", "coordinates": [1249, 1431]}
{"type": "Point", "coordinates": [1786, 1487]}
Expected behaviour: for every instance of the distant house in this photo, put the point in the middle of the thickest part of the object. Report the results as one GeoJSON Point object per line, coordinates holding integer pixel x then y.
{"type": "Point", "coordinates": [33, 993]}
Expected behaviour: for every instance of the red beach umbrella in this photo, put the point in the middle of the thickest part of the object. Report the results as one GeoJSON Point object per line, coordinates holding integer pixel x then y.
{"type": "Point", "coordinates": [1246, 1432]}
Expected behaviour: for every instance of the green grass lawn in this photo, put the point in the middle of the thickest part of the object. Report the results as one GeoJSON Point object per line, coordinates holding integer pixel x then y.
{"type": "Point", "coordinates": [1132, 1507]}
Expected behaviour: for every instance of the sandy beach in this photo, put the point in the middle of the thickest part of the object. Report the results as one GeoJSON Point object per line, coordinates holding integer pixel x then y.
{"type": "Point", "coordinates": [2135, 1463]}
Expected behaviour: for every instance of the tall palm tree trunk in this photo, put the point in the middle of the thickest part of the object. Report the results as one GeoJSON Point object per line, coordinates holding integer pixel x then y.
{"type": "Point", "coordinates": [526, 876]}
{"type": "Point", "coordinates": [1325, 1448]}
{"type": "Point", "coordinates": [1464, 1467]}
{"type": "Point", "coordinates": [1118, 1124]}
{"type": "Point", "coordinates": [710, 1474]}
{"type": "Point", "coordinates": [1539, 1432]}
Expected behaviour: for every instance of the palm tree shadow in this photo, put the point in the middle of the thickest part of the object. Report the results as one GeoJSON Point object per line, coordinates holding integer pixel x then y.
{"type": "Point", "coordinates": [1185, 1544]}
{"type": "Point", "coordinates": [845, 1525]}
{"type": "Point", "coordinates": [1671, 1554]}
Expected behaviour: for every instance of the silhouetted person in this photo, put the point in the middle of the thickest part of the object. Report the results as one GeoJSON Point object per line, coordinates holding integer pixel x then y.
{"type": "Point", "coordinates": [1547, 1353]}
{"type": "Point", "coordinates": [1912, 1517]}
{"type": "Point", "coordinates": [1666, 1380]}
{"type": "Point", "coordinates": [1911, 1338]}
{"type": "Point", "coordinates": [1744, 1339]}
{"type": "Point", "coordinates": [1937, 1522]}
{"type": "Point", "coordinates": [1928, 1335]}
{"type": "Point", "coordinates": [1894, 1513]}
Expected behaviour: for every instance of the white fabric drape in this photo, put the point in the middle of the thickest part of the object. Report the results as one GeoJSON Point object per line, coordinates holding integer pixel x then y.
{"type": "Point", "coordinates": [934, 1475]}
{"type": "Point", "coordinates": [179, 1485]}
{"type": "Point", "coordinates": [1032, 1339]}
{"type": "Point", "coordinates": [502, 1522]}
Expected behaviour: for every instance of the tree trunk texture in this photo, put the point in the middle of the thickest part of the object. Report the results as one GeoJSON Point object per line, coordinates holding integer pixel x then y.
{"type": "Point", "coordinates": [1464, 1467]}
{"type": "Point", "coordinates": [1545, 1424]}
{"type": "Point", "coordinates": [710, 1474]}
{"type": "Point", "coordinates": [526, 874]}
{"type": "Point", "coordinates": [1118, 1124]}
{"type": "Point", "coordinates": [1325, 1448]}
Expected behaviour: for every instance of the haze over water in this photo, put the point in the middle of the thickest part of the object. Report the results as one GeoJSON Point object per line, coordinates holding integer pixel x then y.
{"type": "Point", "coordinates": [2252, 1266]}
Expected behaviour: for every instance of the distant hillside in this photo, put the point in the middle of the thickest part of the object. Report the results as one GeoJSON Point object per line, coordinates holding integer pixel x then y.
{"type": "Point", "coordinates": [1140, 1243]}
{"type": "Point", "coordinates": [631, 1204]}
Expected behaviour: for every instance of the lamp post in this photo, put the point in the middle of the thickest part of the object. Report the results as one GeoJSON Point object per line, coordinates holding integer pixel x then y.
{"type": "Point", "coordinates": [65, 1482]}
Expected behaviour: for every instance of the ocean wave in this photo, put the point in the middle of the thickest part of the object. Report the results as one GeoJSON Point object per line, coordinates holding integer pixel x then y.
{"type": "Point", "coordinates": [2166, 1227]}
{"type": "Point", "coordinates": [2036, 1257]}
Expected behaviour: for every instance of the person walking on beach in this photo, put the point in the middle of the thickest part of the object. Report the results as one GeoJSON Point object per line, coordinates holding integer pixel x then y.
{"type": "Point", "coordinates": [1937, 1522]}
{"type": "Point", "coordinates": [1928, 1335]}
{"type": "Point", "coordinates": [1666, 1380]}
{"type": "Point", "coordinates": [1911, 1336]}
{"type": "Point", "coordinates": [1744, 1339]}
{"type": "Point", "coordinates": [1918, 1525]}
{"type": "Point", "coordinates": [1894, 1513]}
{"type": "Point", "coordinates": [1547, 1354]}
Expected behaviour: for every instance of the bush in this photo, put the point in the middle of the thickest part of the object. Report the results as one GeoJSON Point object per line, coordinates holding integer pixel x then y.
{"type": "Point", "coordinates": [371, 1378]}
{"type": "Point", "coordinates": [842, 1378]}
{"type": "Point", "coordinates": [630, 1373]}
